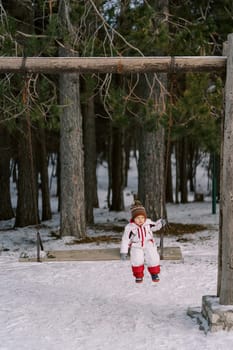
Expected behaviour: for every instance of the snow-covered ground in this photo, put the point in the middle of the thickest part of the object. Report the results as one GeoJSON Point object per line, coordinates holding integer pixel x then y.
{"type": "Point", "coordinates": [97, 305]}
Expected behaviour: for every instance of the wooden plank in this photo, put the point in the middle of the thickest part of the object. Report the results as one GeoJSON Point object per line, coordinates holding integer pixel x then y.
{"type": "Point", "coordinates": [170, 253]}
{"type": "Point", "coordinates": [120, 65]}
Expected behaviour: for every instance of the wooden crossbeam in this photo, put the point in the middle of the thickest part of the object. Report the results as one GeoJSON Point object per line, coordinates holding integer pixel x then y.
{"type": "Point", "coordinates": [120, 65]}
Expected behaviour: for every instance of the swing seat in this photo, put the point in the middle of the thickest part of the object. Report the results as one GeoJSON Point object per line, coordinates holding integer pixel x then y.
{"type": "Point", "coordinates": [169, 253]}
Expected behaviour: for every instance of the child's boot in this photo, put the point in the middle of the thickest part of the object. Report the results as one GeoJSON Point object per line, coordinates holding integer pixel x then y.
{"type": "Point", "coordinates": [139, 280]}
{"type": "Point", "coordinates": [155, 277]}
{"type": "Point", "coordinates": [138, 273]}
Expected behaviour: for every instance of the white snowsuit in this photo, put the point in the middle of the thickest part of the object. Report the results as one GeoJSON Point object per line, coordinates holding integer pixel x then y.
{"type": "Point", "coordinates": [140, 241]}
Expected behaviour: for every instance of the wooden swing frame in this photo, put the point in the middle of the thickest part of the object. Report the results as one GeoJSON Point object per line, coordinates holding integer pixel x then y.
{"type": "Point", "coordinates": [124, 65]}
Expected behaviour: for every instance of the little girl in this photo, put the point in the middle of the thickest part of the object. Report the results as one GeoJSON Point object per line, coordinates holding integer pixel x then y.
{"type": "Point", "coordinates": [138, 237]}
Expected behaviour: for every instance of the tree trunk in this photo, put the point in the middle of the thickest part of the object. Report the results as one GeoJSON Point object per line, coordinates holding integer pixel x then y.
{"type": "Point", "coordinates": [118, 168]}
{"type": "Point", "coordinates": [59, 181]}
{"type": "Point", "coordinates": [151, 172]}
{"type": "Point", "coordinates": [89, 156]}
{"type": "Point", "coordinates": [27, 201]}
{"type": "Point", "coordinates": [127, 157]}
{"type": "Point", "coordinates": [169, 184]}
{"type": "Point", "coordinates": [71, 152]}
{"type": "Point", "coordinates": [183, 171]}
{"type": "Point", "coordinates": [177, 199]}
{"type": "Point", "coordinates": [151, 164]}
{"type": "Point", "coordinates": [110, 165]}
{"type": "Point", "coordinates": [6, 210]}
{"type": "Point", "coordinates": [72, 191]}
{"type": "Point", "coordinates": [191, 166]}
{"type": "Point", "coordinates": [43, 170]}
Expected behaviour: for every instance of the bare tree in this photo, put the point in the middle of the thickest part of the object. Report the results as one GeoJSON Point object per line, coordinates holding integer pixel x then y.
{"type": "Point", "coordinates": [71, 145]}
{"type": "Point", "coordinates": [151, 165]}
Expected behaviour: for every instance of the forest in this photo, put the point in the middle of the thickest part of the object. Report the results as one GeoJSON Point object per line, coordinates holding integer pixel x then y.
{"type": "Point", "coordinates": [73, 122]}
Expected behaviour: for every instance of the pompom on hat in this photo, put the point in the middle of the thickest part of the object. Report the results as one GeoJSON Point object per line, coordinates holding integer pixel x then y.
{"type": "Point", "coordinates": [137, 209]}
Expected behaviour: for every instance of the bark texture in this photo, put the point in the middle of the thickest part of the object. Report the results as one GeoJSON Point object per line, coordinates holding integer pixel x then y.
{"type": "Point", "coordinates": [6, 210]}
{"type": "Point", "coordinates": [73, 221]}
{"type": "Point", "coordinates": [27, 200]}
{"type": "Point", "coordinates": [120, 65]}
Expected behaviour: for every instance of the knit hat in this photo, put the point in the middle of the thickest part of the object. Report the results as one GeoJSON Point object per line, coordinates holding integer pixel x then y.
{"type": "Point", "coordinates": [137, 209]}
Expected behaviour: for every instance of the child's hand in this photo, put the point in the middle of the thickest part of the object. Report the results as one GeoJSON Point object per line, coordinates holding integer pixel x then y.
{"type": "Point", "coordinates": [123, 256]}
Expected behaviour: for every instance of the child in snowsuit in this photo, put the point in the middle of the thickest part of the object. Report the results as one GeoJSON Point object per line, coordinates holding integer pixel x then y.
{"type": "Point", "coordinates": [138, 237]}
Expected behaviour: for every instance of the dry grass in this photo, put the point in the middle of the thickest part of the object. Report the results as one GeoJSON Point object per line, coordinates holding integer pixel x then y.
{"type": "Point", "coordinates": [172, 229]}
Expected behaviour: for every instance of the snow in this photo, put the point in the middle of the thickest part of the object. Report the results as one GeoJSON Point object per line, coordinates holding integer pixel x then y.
{"type": "Point", "coordinates": [97, 305]}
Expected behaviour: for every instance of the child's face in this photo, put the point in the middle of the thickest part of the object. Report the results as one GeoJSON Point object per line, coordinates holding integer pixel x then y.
{"type": "Point", "coordinates": [139, 220]}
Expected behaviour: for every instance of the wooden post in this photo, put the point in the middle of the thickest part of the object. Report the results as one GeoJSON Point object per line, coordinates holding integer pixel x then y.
{"type": "Point", "coordinates": [226, 200]}
{"type": "Point", "coordinates": [225, 53]}
{"type": "Point", "coordinates": [214, 183]}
